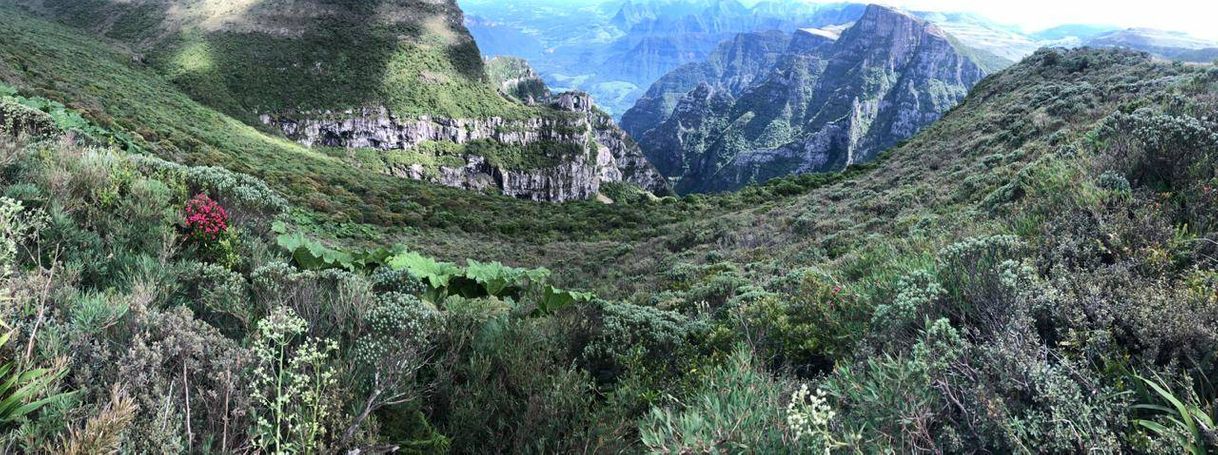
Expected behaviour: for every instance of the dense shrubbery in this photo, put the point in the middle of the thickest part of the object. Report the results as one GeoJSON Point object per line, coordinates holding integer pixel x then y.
{"type": "Point", "coordinates": [161, 346]}
{"type": "Point", "coordinates": [1036, 273]}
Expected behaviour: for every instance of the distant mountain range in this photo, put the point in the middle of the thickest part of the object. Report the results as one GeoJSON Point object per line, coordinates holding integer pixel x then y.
{"type": "Point", "coordinates": [615, 50]}
{"type": "Point", "coordinates": [771, 104]}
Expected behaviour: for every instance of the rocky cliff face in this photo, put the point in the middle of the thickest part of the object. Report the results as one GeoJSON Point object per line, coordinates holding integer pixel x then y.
{"type": "Point", "coordinates": [823, 103]}
{"type": "Point", "coordinates": [403, 78]}
{"type": "Point", "coordinates": [616, 50]}
{"type": "Point", "coordinates": [582, 146]}
{"type": "Point", "coordinates": [731, 68]}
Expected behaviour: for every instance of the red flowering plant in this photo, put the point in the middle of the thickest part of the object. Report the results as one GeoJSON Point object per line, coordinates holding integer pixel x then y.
{"type": "Point", "coordinates": [208, 231]}
{"type": "Point", "coordinates": [205, 219]}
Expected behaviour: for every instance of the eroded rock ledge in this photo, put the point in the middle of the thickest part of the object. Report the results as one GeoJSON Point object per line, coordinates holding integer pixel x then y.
{"type": "Point", "coordinates": [602, 151]}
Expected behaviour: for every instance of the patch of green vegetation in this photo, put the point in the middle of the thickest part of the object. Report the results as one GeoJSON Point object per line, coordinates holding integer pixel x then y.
{"type": "Point", "coordinates": [538, 155]}
{"type": "Point", "coordinates": [1004, 277]}
{"type": "Point", "coordinates": [357, 66]}
{"type": "Point", "coordinates": [516, 78]}
{"type": "Point", "coordinates": [348, 56]}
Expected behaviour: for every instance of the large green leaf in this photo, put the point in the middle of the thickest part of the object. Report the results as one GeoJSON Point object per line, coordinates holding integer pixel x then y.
{"type": "Point", "coordinates": [493, 276]}
{"type": "Point", "coordinates": [435, 273]}
{"type": "Point", "coordinates": [310, 254]}
{"type": "Point", "coordinates": [554, 299]}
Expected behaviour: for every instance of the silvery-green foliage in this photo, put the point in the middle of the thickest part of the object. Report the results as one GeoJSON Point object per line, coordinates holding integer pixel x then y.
{"type": "Point", "coordinates": [176, 362]}
{"type": "Point", "coordinates": [388, 279]}
{"type": "Point", "coordinates": [219, 289]}
{"type": "Point", "coordinates": [399, 325]}
{"type": "Point", "coordinates": [1115, 182]}
{"type": "Point", "coordinates": [971, 273]}
{"type": "Point", "coordinates": [11, 231]}
{"type": "Point", "coordinates": [243, 191]}
{"type": "Point", "coordinates": [918, 293]}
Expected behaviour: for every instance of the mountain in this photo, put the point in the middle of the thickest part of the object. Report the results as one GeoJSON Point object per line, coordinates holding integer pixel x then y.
{"type": "Point", "coordinates": [769, 105]}
{"type": "Point", "coordinates": [1006, 42]}
{"type": "Point", "coordinates": [732, 67]}
{"type": "Point", "coordinates": [615, 50]}
{"type": "Point", "coordinates": [399, 80]}
{"type": "Point", "coordinates": [1070, 35]}
{"type": "Point", "coordinates": [1166, 44]}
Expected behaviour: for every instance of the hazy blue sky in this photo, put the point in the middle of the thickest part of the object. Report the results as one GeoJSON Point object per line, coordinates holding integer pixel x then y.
{"type": "Point", "coordinates": [1197, 17]}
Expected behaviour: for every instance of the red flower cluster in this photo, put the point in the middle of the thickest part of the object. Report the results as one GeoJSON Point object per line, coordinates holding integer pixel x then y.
{"type": "Point", "coordinates": [205, 218]}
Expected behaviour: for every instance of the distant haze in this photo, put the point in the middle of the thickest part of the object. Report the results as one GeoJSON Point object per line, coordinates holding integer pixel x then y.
{"type": "Point", "coordinates": [1196, 17]}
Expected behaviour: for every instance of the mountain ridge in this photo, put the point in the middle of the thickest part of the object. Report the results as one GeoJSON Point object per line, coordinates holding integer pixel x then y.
{"type": "Point", "coordinates": [823, 106]}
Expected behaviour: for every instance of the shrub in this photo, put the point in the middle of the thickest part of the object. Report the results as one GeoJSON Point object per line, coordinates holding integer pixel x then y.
{"type": "Point", "coordinates": [508, 382]}
{"type": "Point", "coordinates": [389, 280]}
{"type": "Point", "coordinates": [814, 323]}
{"type": "Point", "coordinates": [1114, 182]}
{"type": "Point", "coordinates": [919, 296]}
{"type": "Point", "coordinates": [331, 301]}
{"type": "Point", "coordinates": [737, 408]}
{"type": "Point", "coordinates": [218, 294]}
{"type": "Point", "coordinates": [251, 196]}
{"type": "Point", "coordinates": [23, 390]}
{"type": "Point", "coordinates": [1184, 421]}
{"type": "Point", "coordinates": [890, 401]}
{"type": "Point", "coordinates": [973, 274]}
{"type": "Point", "coordinates": [186, 377]}
{"type": "Point", "coordinates": [637, 337]}
{"type": "Point", "coordinates": [205, 220]}
{"type": "Point", "coordinates": [395, 345]}
{"type": "Point", "coordinates": [17, 120]}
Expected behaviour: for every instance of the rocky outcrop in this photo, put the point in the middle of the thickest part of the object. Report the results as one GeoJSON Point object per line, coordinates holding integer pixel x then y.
{"type": "Point", "coordinates": [823, 103]}
{"type": "Point", "coordinates": [602, 152]}
{"type": "Point", "coordinates": [735, 65]}
{"type": "Point", "coordinates": [568, 181]}
{"type": "Point", "coordinates": [517, 79]}
{"type": "Point", "coordinates": [379, 129]}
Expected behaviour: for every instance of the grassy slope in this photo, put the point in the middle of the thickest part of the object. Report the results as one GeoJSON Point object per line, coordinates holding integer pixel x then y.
{"type": "Point", "coordinates": [60, 63]}
{"type": "Point", "coordinates": [287, 55]}
{"type": "Point", "coordinates": [922, 189]}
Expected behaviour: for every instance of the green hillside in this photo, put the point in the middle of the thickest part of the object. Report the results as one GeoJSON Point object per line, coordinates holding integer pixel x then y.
{"type": "Point", "coordinates": [246, 57]}
{"type": "Point", "coordinates": [107, 87]}
{"type": "Point", "coordinates": [1035, 272]}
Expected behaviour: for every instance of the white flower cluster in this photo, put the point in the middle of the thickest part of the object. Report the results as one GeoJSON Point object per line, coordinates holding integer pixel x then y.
{"type": "Point", "coordinates": [290, 384]}
{"type": "Point", "coordinates": [809, 414]}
